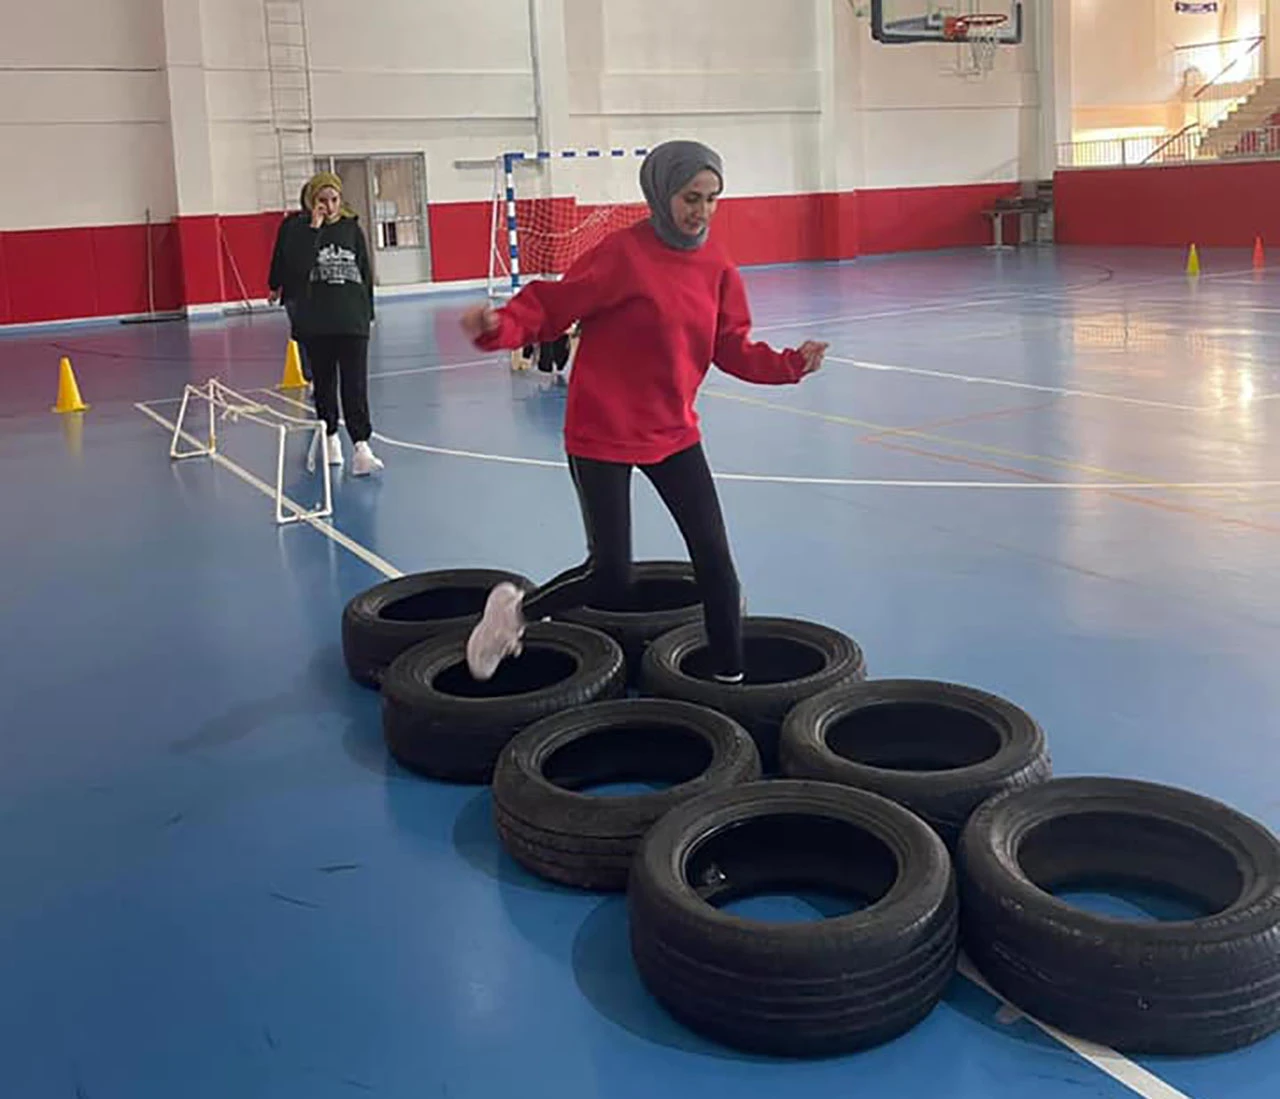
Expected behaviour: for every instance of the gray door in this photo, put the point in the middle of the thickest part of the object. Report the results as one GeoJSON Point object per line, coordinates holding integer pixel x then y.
{"type": "Point", "coordinates": [388, 192]}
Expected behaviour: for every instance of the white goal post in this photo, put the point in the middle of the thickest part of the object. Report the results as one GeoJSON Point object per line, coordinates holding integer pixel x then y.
{"type": "Point", "coordinates": [236, 406]}
{"type": "Point", "coordinates": [551, 207]}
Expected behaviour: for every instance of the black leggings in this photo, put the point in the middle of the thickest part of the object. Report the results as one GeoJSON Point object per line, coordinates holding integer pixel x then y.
{"type": "Point", "coordinates": [685, 484]}
{"type": "Point", "coordinates": [345, 357]}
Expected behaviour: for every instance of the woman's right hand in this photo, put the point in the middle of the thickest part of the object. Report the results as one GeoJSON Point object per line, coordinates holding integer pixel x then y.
{"type": "Point", "coordinates": [479, 320]}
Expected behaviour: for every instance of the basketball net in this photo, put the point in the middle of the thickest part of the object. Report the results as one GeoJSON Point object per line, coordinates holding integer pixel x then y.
{"type": "Point", "coordinates": [981, 33]}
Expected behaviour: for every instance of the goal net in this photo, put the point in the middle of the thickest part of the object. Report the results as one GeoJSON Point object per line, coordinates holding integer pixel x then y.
{"type": "Point", "coordinates": [551, 208]}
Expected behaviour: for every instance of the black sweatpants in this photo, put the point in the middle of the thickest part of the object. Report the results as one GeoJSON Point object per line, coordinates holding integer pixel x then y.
{"type": "Point", "coordinates": [341, 362]}
{"type": "Point", "coordinates": [685, 484]}
{"type": "Point", "coordinates": [303, 358]}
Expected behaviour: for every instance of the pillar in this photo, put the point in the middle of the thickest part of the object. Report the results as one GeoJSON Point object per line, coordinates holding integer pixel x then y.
{"type": "Point", "coordinates": [1050, 30]}
{"type": "Point", "coordinates": [840, 124]}
{"type": "Point", "coordinates": [200, 259]}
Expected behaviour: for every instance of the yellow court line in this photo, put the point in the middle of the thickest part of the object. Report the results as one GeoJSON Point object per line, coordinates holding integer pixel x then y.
{"type": "Point", "coordinates": [911, 433]}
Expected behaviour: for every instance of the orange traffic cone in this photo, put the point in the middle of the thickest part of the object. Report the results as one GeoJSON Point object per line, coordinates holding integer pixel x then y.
{"type": "Point", "coordinates": [293, 378]}
{"type": "Point", "coordinates": [1259, 258]}
{"type": "Point", "coordinates": [1193, 261]}
{"type": "Point", "coordinates": [69, 399]}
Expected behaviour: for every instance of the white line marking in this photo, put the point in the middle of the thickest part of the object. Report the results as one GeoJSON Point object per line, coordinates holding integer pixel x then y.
{"type": "Point", "coordinates": [1069, 486]}
{"type": "Point", "coordinates": [1045, 294]}
{"type": "Point", "coordinates": [1118, 1067]}
{"type": "Point", "coordinates": [904, 311]}
{"type": "Point", "coordinates": [436, 369]}
{"type": "Point", "coordinates": [448, 452]}
{"type": "Point", "coordinates": [1009, 383]}
{"type": "Point", "coordinates": [854, 482]}
{"type": "Point", "coordinates": [327, 529]}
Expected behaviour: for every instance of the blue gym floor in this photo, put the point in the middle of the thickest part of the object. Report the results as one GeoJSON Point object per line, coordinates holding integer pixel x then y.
{"type": "Point", "coordinates": [1052, 474]}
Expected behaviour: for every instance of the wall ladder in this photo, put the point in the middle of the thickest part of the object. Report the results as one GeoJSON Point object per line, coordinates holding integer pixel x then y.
{"type": "Point", "coordinates": [289, 76]}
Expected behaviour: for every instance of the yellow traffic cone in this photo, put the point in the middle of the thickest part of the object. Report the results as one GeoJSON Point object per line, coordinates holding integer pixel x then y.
{"type": "Point", "coordinates": [69, 399]}
{"type": "Point", "coordinates": [293, 378]}
{"type": "Point", "coordinates": [1193, 261]}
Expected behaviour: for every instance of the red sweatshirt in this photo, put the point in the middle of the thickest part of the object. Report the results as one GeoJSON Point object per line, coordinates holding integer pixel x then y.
{"type": "Point", "coordinates": [653, 320]}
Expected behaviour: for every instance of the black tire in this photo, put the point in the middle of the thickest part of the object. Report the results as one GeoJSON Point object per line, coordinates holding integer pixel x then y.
{"type": "Point", "coordinates": [794, 989]}
{"type": "Point", "coordinates": [664, 595]}
{"type": "Point", "coordinates": [787, 662]}
{"type": "Point", "coordinates": [1195, 986]}
{"type": "Point", "coordinates": [589, 841]}
{"type": "Point", "coordinates": [940, 749]}
{"type": "Point", "coordinates": [382, 622]}
{"type": "Point", "coordinates": [440, 722]}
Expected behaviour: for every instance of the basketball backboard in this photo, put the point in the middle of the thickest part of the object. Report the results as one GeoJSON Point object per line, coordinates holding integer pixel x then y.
{"type": "Point", "coordinates": [900, 21]}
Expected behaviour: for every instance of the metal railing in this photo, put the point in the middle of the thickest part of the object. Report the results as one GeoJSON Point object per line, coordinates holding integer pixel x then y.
{"type": "Point", "coordinates": [1238, 68]}
{"type": "Point", "coordinates": [1185, 147]}
{"type": "Point", "coordinates": [1233, 82]}
{"type": "Point", "coordinates": [1128, 152]}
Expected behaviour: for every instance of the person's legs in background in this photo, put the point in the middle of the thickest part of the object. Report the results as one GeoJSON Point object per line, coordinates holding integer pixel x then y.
{"type": "Point", "coordinates": [322, 351]}
{"type": "Point", "coordinates": [303, 357]}
{"type": "Point", "coordinates": [353, 361]}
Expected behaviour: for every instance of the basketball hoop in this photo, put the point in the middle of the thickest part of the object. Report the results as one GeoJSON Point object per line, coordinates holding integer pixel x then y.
{"type": "Point", "coordinates": [980, 31]}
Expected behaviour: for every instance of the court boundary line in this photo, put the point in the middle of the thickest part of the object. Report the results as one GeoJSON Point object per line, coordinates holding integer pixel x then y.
{"type": "Point", "coordinates": [1010, 383]}
{"type": "Point", "coordinates": [1132, 1075]}
{"type": "Point", "coordinates": [974, 303]}
{"type": "Point", "coordinates": [1126, 1072]}
{"type": "Point", "coordinates": [830, 482]}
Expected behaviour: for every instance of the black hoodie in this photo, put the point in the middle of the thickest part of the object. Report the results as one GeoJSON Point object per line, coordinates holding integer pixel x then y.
{"type": "Point", "coordinates": [326, 274]}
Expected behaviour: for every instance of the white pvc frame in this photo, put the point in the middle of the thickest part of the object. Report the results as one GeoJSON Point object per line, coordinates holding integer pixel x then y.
{"type": "Point", "coordinates": [236, 406]}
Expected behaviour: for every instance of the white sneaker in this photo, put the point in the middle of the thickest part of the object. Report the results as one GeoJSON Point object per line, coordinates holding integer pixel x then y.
{"type": "Point", "coordinates": [333, 450]}
{"type": "Point", "coordinates": [364, 461]}
{"type": "Point", "coordinates": [498, 633]}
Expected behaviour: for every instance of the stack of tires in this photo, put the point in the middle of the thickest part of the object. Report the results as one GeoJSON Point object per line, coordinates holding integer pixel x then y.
{"type": "Point", "coordinates": [928, 805]}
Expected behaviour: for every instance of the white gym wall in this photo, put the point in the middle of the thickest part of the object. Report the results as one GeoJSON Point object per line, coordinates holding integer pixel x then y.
{"type": "Point", "coordinates": [115, 107]}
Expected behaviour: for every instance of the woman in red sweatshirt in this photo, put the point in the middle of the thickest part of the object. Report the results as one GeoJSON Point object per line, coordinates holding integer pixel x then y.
{"type": "Point", "coordinates": [657, 304]}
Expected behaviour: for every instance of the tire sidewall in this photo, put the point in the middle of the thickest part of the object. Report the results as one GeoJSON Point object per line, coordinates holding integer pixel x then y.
{"type": "Point", "coordinates": [1021, 758]}
{"type": "Point", "coordinates": [521, 789]}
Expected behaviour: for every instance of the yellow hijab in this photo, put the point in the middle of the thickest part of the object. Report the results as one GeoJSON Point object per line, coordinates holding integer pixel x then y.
{"type": "Point", "coordinates": [318, 183]}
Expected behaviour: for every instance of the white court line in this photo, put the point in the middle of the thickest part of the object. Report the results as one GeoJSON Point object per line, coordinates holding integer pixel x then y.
{"type": "Point", "coordinates": [1010, 384]}
{"type": "Point", "coordinates": [1046, 294]}
{"type": "Point", "coordinates": [1117, 1066]}
{"type": "Point", "coordinates": [327, 529]}
{"type": "Point", "coordinates": [904, 311]}
{"type": "Point", "coordinates": [1120, 1068]}
{"type": "Point", "coordinates": [848, 482]}
{"type": "Point", "coordinates": [434, 369]}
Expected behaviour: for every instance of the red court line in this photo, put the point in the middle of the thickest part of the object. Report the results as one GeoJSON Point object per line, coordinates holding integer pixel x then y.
{"type": "Point", "coordinates": [972, 418]}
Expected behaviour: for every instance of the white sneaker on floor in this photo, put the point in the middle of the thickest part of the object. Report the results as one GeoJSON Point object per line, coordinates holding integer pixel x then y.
{"type": "Point", "coordinates": [333, 450]}
{"type": "Point", "coordinates": [364, 461]}
{"type": "Point", "coordinates": [498, 633]}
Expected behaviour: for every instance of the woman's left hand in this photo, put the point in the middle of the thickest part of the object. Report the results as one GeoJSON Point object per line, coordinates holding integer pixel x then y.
{"type": "Point", "coordinates": [813, 353]}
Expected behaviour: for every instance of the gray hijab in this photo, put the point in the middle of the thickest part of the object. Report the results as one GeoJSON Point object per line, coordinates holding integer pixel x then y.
{"type": "Point", "coordinates": [669, 167]}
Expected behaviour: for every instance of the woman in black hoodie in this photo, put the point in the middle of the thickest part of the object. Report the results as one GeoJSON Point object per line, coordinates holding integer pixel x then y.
{"type": "Point", "coordinates": [327, 260]}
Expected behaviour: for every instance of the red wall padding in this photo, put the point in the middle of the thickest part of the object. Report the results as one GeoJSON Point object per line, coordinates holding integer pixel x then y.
{"type": "Point", "coordinates": [58, 274]}
{"type": "Point", "coordinates": [6, 313]}
{"type": "Point", "coordinates": [249, 242]}
{"type": "Point", "coordinates": [911, 218]}
{"type": "Point", "coordinates": [1225, 205]}
{"type": "Point", "coordinates": [459, 239]}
